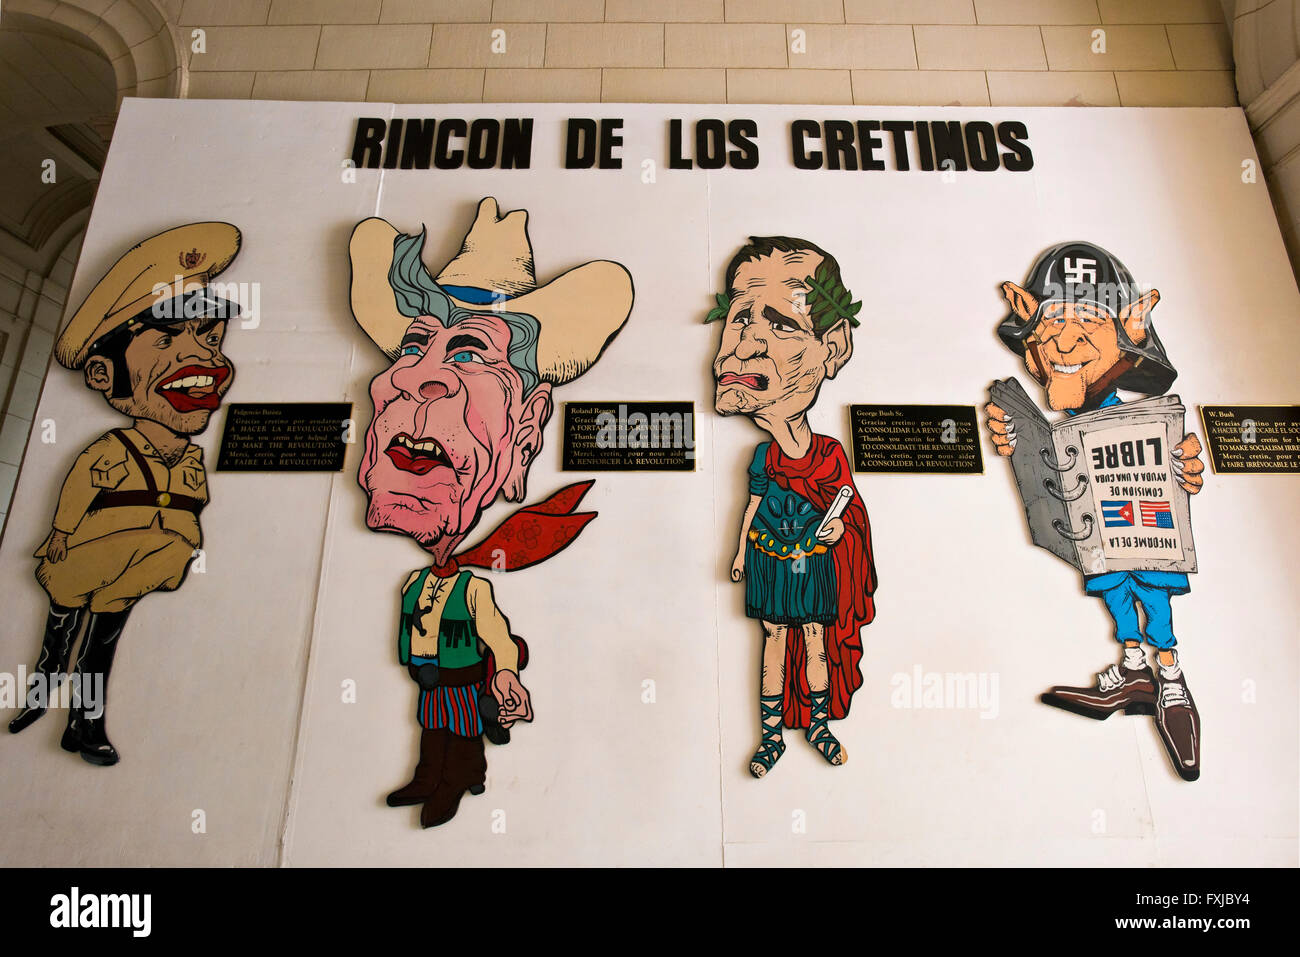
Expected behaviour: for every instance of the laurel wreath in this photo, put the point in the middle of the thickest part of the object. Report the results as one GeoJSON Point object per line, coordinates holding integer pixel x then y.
{"type": "Point", "coordinates": [721, 309]}
{"type": "Point", "coordinates": [827, 301]}
{"type": "Point", "coordinates": [831, 301]}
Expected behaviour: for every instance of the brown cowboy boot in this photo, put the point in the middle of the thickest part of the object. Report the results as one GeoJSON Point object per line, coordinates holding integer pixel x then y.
{"type": "Point", "coordinates": [1179, 725]}
{"type": "Point", "coordinates": [464, 770]}
{"type": "Point", "coordinates": [1132, 689]}
{"type": "Point", "coordinates": [433, 749]}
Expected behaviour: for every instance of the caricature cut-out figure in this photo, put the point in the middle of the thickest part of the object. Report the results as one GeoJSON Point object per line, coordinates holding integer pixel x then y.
{"type": "Point", "coordinates": [1084, 330]}
{"type": "Point", "coordinates": [148, 339]}
{"type": "Point", "coordinates": [787, 326]}
{"type": "Point", "coordinates": [459, 419]}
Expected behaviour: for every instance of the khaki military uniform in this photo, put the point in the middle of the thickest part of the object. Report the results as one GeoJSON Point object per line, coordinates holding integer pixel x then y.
{"type": "Point", "coordinates": [131, 520]}
{"type": "Point", "coordinates": [127, 521]}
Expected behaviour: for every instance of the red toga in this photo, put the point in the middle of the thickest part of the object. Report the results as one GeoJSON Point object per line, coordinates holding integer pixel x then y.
{"type": "Point", "coordinates": [817, 477]}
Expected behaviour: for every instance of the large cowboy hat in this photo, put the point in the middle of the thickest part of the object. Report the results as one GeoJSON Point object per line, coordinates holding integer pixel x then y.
{"type": "Point", "coordinates": [578, 312]}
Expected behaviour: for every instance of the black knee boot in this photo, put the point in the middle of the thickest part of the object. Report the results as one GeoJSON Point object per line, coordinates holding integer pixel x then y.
{"type": "Point", "coordinates": [56, 647]}
{"type": "Point", "coordinates": [86, 732]}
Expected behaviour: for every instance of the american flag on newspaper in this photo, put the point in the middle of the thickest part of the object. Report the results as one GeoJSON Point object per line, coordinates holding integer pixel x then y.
{"type": "Point", "coordinates": [1156, 514]}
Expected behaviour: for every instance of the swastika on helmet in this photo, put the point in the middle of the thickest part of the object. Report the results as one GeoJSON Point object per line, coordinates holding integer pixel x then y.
{"type": "Point", "coordinates": [1079, 272]}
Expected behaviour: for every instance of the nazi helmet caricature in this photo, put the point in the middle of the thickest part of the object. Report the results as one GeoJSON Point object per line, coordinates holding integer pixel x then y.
{"type": "Point", "coordinates": [1084, 276]}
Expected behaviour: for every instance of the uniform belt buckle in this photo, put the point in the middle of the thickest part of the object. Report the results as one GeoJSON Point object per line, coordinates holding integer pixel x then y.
{"type": "Point", "coordinates": [164, 499]}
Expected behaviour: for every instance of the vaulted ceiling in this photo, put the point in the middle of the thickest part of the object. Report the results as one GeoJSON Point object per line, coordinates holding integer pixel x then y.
{"type": "Point", "coordinates": [57, 102]}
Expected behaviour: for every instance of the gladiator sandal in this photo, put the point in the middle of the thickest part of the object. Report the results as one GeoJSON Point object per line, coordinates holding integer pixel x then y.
{"type": "Point", "coordinates": [819, 735]}
{"type": "Point", "coordinates": [772, 746]}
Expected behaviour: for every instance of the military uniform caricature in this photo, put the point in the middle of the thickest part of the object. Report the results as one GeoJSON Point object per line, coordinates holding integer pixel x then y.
{"type": "Point", "coordinates": [1083, 329]}
{"type": "Point", "coordinates": [148, 338]}
{"type": "Point", "coordinates": [460, 413]}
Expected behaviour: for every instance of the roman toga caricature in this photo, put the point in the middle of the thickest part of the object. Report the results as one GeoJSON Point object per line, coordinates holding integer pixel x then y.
{"type": "Point", "coordinates": [804, 549]}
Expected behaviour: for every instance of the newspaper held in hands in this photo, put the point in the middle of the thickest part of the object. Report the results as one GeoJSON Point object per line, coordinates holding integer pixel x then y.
{"type": "Point", "coordinates": [1099, 488]}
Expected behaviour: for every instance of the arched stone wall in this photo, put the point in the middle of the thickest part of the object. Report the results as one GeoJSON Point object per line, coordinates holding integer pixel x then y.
{"type": "Point", "coordinates": [135, 36]}
{"type": "Point", "coordinates": [31, 305]}
{"type": "Point", "coordinates": [37, 261]}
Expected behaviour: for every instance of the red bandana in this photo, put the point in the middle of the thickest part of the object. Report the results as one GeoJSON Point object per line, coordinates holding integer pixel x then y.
{"type": "Point", "coordinates": [530, 535]}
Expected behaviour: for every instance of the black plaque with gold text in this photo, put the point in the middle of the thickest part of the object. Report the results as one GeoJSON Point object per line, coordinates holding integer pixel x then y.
{"type": "Point", "coordinates": [629, 437]}
{"type": "Point", "coordinates": [1253, 438]}
{"type": "Point", "coordinates": [941, 439]}
{"type": "Point", "coordinates": [285, 437]}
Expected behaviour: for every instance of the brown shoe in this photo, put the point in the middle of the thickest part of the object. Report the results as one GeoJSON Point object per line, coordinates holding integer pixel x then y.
{"type": "Point", "coordinates": [1133, 689]}
{"type": "Point", "coordinates": [465, 769]}
{"type": "Point", "coordinates": [433, 749]}
{"type": "Point", "coordinates": [1179, 725]}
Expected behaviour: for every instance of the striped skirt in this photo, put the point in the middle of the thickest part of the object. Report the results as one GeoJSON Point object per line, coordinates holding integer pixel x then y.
{"type": "Point", "coordinates": [455, 709]}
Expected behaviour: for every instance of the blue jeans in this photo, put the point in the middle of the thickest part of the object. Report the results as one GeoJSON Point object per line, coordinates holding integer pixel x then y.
{"type": "Point", "coordinates": [1123, 591]}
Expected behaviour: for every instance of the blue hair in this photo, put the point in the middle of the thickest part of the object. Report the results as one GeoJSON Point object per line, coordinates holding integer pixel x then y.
{"type": "Point", "coordinates": [417, 294]}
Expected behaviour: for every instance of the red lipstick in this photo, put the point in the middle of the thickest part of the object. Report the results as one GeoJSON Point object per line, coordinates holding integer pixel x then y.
{"type": "Point", "coordinates": [192, 388]}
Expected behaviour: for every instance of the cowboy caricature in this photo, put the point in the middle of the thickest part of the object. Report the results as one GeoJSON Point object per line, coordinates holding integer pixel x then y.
{"type": "Point", "coordinates": [804, 550]}
{"type": "Point", "coordinates": [148, 339]}
{"type": "Point", "coordinates": [459, 418]}
{"type": "Point", "coordinates": [1083, 329]}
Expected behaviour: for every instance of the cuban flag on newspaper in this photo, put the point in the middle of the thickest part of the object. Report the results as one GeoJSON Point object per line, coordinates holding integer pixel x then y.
{"type": "Point", "coordinates": [1156, 514]}
{"type": "Point", "coordinates": [1117, 514]}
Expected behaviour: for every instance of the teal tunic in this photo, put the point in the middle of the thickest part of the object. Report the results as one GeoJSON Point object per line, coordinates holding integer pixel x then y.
{"type": "Point", "coordinates": [789, 574]}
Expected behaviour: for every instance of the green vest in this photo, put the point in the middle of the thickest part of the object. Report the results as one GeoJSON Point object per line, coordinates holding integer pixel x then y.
{"type": "Point", "coordinates": [457, 636]}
